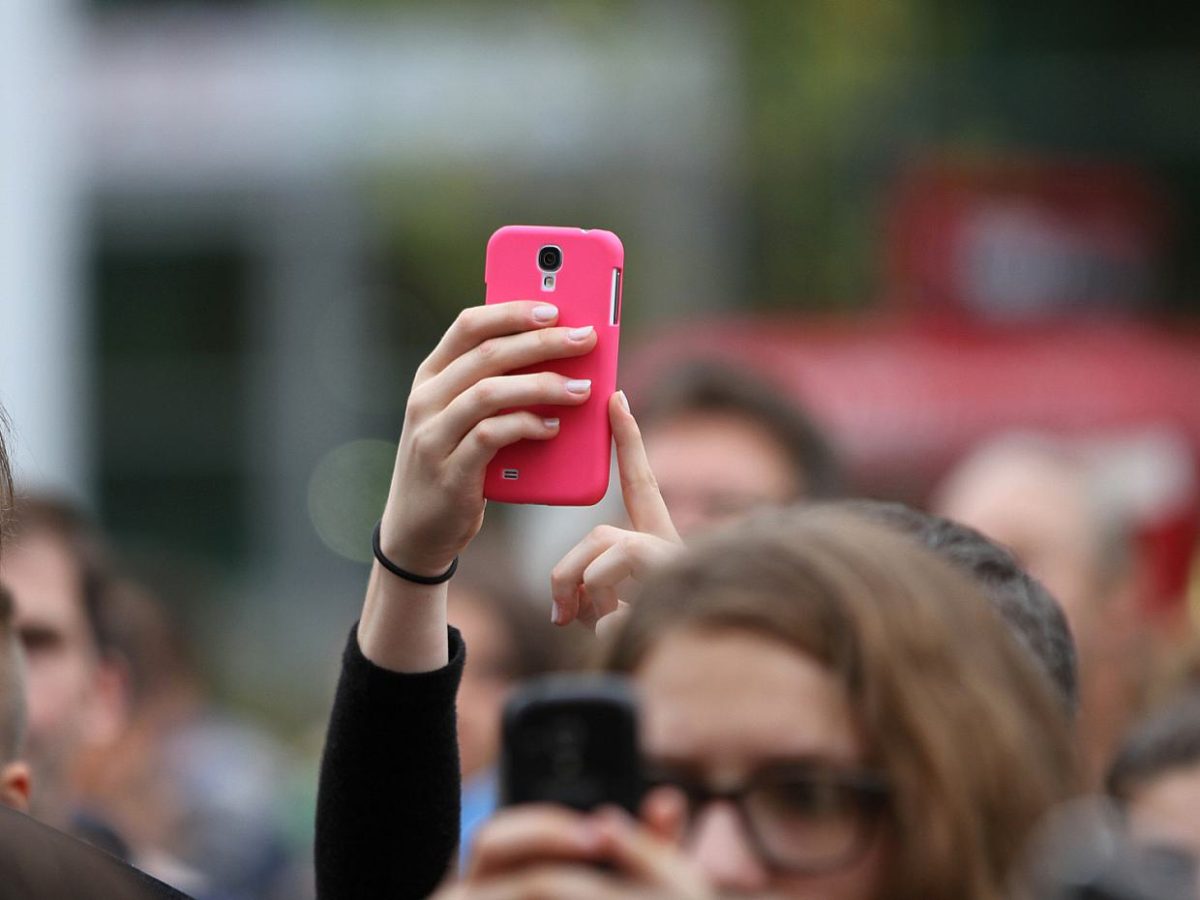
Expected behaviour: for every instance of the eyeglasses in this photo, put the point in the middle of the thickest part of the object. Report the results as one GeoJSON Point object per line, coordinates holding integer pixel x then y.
{"type": "Point", "coordinates": [804, 819]}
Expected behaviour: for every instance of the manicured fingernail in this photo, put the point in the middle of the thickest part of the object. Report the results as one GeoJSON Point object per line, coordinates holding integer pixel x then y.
{"type": "Point", "coordinates": [545, 313]}
{"type": "Point", "coordinates": [579, 385]}
{"type": "Point", "coordinates": [550, 423]}
{"type": "Point", "coordinates": [578, 334]}
{"type": "Point", "coordinates": [624, 400]}
{"type": "Point", "coordinates": [554, 614]}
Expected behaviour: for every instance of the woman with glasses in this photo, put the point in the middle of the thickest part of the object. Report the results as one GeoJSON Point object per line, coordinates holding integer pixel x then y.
{"type": "Point", "coordinates": [826, 718]}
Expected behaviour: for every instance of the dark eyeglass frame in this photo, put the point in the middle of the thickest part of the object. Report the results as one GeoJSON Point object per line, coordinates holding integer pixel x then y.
{"type": "Point", "coordinates": [870, 791]}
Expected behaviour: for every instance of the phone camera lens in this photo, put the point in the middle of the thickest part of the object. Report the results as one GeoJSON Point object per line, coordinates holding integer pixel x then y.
{"type": "Point", "coordinates": [550, 258]}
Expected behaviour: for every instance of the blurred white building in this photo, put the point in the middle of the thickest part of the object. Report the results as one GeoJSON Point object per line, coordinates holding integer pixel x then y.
{"type": "Point", "coordinates": [189, 220]}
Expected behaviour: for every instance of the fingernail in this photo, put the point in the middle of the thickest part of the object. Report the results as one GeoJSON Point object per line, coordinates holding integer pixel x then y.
{"type": "Point", "coordinates": [545, 313]}
{"type": "Point", "coordinates": [554, 614]}
{"type": "Point", "coordinates": [578, 334]}
{"type": "Point", "coordinates": [550, 423]}
{"type": "Point", "coordinates": [579, 385]}
{"type": "Point", "coordinates": [624, 400]}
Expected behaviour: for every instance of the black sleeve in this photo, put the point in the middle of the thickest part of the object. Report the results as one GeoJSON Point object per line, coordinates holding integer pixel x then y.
{"type": "Point", "coordinates": [389, 795]}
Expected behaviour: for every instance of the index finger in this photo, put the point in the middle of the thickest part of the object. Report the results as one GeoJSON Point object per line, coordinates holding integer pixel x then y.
{"type": "Point", "coordinates": [643, 501]}
{"type": "Point", "coordinates": [477, 324]}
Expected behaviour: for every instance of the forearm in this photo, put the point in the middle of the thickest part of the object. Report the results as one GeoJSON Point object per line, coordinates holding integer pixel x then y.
{"type": "Point", "coordinates": [403, 624]}
{"type": "Point", "coordinates": [388, 802]}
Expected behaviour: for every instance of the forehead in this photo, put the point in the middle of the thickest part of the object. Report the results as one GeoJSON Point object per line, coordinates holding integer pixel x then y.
{"type": "Point", "coordinates": [44, 582]}
{"type": "Point", "coordinates": [729, 701]}
{"type": "Point", "coordinates": [1022, 501]}
{"type": "Point", "coordinates": [718, 447]}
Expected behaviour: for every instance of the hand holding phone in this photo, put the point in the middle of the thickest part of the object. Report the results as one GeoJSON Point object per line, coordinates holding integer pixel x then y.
{"type": "Point", "coordinates": [551, 851]}
{"type": "Point", "coordinates": [466, 404]}
{"type": "Point", "coordinates": [580, 272]}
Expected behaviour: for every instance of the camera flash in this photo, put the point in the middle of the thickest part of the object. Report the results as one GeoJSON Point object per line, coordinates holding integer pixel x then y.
{"type": "Point", "coordinates": [547, 282]}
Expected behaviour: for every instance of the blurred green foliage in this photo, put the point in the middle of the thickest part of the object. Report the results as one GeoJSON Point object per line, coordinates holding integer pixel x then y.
{"type": "Point", "coordinates": [837, 97]}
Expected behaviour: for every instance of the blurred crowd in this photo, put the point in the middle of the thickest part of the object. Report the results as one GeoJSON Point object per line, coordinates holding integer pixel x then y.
{"type": "Point", "coordinates": [1045, 740]}
{"type": "Point", "coordinates": [901, 556]}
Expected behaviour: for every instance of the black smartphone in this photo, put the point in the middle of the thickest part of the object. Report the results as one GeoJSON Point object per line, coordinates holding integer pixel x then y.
{"type": "Point", "coordinates": [572, 740]}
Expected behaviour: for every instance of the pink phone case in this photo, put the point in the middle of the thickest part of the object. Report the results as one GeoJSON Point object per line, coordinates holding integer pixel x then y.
{"type": "Point", "coordinates": [570, 469]}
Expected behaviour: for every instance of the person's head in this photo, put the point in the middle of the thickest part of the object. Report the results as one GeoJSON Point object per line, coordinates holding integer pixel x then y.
{"type": "Point", "coordinates": [1034, 617]}
{"type": "Point", "coordinates": [55, 571]}
{"type": "Point", "coordinates": [1045, 501]}
{"type": "Point", "coordinates": [722, 443]}
{"type": "Point", "coordinates": [14, 772]}
{"type": "Point", "coordinates": [508, 640]}
{"type": "Point", "coordinates": [909, 745]}
{"type": "Point", "coordinates": [1038, 498]}
{"type": "Point", "coordinates": [1155, 777]}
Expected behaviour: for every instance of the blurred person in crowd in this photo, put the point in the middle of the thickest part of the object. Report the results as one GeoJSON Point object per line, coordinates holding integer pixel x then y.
{"type": "Point", "coordinates": [510, 641]}
{"type": "Point", "coordinates": [14, 771]}
{"type": "Point", "coordinates": [922, 734]}
{"type": "Point", "coordinates": [1084, 849]}
{"type": "Point", "coordinates": [1032, 615]}
{"type": "Point", "coordinates": [136, 762]}
{"type": "Point", "coordinates": [194, 789]}
{"type": "Point", "coordinates": [56, 569]}
{"type": "Point", "coordinates": [920, 746]}
{"type": "Point", "coordinates": [723, 443]}
{"type": "Point", "coordinates": [1041, 501]}
{"type": "Point", "coordinates": [37, 861]}
{"type": "Point", "coordinates": [1155, 777]}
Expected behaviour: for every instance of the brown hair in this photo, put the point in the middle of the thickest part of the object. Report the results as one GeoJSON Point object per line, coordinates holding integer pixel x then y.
{"type": "Point", "coordinates": [1033, 616]}
{"type": "Point", "coordinates": [70, 526]}
{"type": "Point", "coordinates": [1168, 740]}
{"type": "Point", "coordinates": [970, 736]}
{"type": "Point", "coordinates": [706, 387]}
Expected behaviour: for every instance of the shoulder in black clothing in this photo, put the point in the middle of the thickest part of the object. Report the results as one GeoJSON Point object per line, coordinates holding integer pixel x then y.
{"type": "Point", "coordinates": [39, 863]}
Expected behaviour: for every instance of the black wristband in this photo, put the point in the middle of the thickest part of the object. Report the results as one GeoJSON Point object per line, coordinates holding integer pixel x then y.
{"type": "Point", "coordinates": [401, 573]}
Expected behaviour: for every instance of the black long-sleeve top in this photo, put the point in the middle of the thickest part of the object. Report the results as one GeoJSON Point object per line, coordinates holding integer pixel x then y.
{"type": "Point", "coordinates": [389, 796]}
{"type": "Point", "coordinates": [39, 863]}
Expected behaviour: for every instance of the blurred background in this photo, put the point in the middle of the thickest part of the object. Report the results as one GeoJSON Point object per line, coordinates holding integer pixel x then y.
{"type": "Point", "coordinates": [229, 231]}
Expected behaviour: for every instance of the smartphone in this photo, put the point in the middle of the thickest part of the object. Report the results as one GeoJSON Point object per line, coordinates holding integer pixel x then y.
{"type": "Point", "coordinates": [572, 740]}
{"type": "Point", "coordinates": [579, 271]}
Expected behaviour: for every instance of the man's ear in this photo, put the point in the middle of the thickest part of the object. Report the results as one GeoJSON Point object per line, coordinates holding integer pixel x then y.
{"type": "Point", "coordinates": [109, 713]}
{"type": "Point", "coordinates": [15, 785]}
